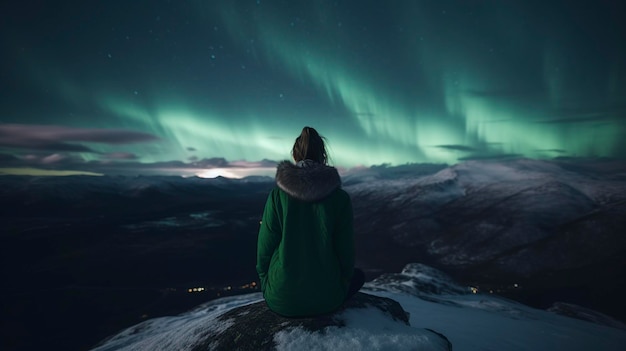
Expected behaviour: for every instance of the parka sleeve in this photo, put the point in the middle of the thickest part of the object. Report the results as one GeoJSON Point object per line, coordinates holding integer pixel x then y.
{"type": "Point", "coordinates": [269, 238]}
{"type": "Point", "coordinates": [344, 241]}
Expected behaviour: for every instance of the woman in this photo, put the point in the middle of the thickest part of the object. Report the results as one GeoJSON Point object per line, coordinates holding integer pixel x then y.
{"type": "Point", "coordinates": [305, 252]}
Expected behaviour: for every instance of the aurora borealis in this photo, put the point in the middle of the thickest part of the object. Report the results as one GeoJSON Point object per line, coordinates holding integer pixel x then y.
{"type": "Point", "coordinates": [230, 84]}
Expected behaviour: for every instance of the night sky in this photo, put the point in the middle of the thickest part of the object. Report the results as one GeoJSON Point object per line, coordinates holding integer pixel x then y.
{"type": "Point", "coordinates": [224, 87]}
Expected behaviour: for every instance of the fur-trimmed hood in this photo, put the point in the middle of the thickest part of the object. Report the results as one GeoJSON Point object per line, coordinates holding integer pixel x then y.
{"type": "Point", "coordinates": [308, 180]}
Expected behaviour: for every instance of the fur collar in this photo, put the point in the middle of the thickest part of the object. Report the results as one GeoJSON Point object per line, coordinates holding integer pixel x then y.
{"type": "Point", "coordinates": [308, 180]}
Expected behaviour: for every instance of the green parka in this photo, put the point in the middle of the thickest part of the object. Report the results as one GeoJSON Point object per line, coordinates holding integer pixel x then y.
{"type": "Point", "coordinates": [305, 251]}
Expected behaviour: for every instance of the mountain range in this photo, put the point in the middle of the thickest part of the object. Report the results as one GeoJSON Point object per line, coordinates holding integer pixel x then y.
{"type": "Point", "coordinates": [537, 231]}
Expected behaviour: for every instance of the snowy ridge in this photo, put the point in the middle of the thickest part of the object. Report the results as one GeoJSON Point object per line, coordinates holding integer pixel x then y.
{"type": "Point", "coordinates": [469, 321]}
{"type": "Point", "coordinates": [506, 217]}
{"type": "Point", "coordinates": [488, 322]}
{"type": "Point", "coordinates": [177, 332]}
{"type": "Point", "coordinates": [418, 280]}
{"type": "Point", "coordinates": [484, 322]}
{"type": "Point", "coordinates": [363, 328]}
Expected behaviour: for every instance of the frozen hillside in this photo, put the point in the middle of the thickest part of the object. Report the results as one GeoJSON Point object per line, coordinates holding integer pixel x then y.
{"type": "Point", "coordinates": [440, 312]}
{"type": "Point", "coordinates": [511, 215]}
{"type": "Point", "coordinates": [554, 222]}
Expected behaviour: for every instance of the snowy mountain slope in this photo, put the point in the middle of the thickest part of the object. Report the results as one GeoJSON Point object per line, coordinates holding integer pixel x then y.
{"type": "Point", "coordinates": [433, 300]}
{"type": "Point", "coordinates": [488, 322]}
{"type": "Point", "coordinates": [514, 217]}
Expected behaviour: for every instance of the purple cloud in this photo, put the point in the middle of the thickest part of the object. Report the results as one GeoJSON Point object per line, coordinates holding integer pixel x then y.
{"type": "Point", "coordinates": [199, 167]}
{"type": "Point", "coordinates": [59, 138]}
{"type": "Point", "coordinates": [44, 160]}
{"type": "Point", "coordinates": [211, 162]}
{"type": "Point", "coordinates": [54, 158]}
{"type": "Point", "coordinates": [265, 163]}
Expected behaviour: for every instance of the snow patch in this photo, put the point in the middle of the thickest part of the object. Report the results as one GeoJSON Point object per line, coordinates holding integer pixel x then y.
{"type": "Point", "coordinates": [366, 329]}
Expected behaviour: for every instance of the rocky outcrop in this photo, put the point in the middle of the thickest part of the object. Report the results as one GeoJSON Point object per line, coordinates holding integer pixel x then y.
{"type": "Point", "coordinates": [418, 280]}
{"type": "Point", "coordinates": [365, 322]}
{"type": "Point", "coordinates": [255, 327]}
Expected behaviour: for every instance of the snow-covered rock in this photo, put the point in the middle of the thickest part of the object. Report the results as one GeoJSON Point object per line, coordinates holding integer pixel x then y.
{"type": "Point", "coordinates": [366, 322]}
{"type": "Point", "coordinates": [441, 313]}
{"type": "Point", "coordinates": [476, 321]}
{"type": "Point", "coordinates": [418, 280]}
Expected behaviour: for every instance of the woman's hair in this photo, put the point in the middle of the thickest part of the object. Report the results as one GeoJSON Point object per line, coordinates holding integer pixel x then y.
{"type": "Point", "coordinates": [309, 145]}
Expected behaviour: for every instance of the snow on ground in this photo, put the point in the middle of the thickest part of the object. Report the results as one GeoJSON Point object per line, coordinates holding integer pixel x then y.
{"type": "Point", "coordinates": [365, 329]}
{"type": "Point", "coordinates": [482, 322]}
{"type": "Point", "coordinates": [176, 332]}
{"type": "Point", "coordinates": [471, 322]}
{"type": "Point", "coordinates": [475, 322]}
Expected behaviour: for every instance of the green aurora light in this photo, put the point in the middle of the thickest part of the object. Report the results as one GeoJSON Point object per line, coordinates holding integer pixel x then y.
{"type": "Point", "coordinates": [402, 83]}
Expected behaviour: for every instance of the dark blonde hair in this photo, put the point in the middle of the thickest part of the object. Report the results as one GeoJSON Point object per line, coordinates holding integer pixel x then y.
{"type": "Point", "coordinates": [309, 145]}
